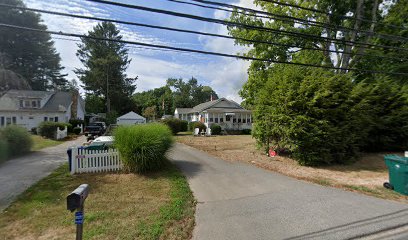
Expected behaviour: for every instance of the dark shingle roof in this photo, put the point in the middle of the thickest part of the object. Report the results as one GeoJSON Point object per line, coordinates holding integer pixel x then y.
{"type": "Point", "coordinates": [60, 101]}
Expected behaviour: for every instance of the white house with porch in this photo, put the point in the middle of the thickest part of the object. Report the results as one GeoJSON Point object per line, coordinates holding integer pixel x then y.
{"type": "Point", "coordinates": [226, 113]}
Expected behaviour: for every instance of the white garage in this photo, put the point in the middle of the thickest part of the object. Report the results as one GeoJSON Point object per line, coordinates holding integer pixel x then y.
{"type": "Point", "coordinates": [130, 118]}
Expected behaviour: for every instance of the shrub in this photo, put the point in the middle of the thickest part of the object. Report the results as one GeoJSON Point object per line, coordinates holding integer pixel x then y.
{"type": "Point", "coordinates": [18, 140]}
{"type": "Point", "coordinates": [3, 147]}
{"type": "Point", "coordinates": [184, 126]}
{"type": "Point", "coordinates": [49, 129]}
{"type": "Point", "coordinates": [215, 129]}
{"type": "Point", "coordinates": [34, 130]}
{"type": "Point", "coordinates": [194, 125]}
{"type": "Point", "coordinates": [246, 131]}
{"type": "Point", "coordinates": [173, 123]}
{"type": "Point", "coordinates": [76, 122]}
{"type": "Point", "coordinates": [143, 147]}
{"type": "Point", "coordinates": [76, 130]}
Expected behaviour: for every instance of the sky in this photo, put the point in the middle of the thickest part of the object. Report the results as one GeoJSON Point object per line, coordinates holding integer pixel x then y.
{"type": "Point", "coordinates": [225, 75]}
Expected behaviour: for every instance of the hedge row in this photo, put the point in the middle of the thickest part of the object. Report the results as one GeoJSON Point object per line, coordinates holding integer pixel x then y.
{"type": "Point", "coordinates": [176, 125]}
{"type": "Point", "coordinates": [49, 129]}
{"type": "Point", "coordinates": [14, 141]}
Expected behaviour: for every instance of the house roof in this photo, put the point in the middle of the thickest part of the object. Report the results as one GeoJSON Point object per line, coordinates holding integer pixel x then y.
{"type": "Point", "coordinates": [203, 106]}
{"type": "Point", "coordinates": [130, 116]}
{"type": "Point", "coordinates": [183, 110]}
{"type": "Point", "coordinates": [54, 101]}
{"type": "Point", "coordinates": [59, 101]}
{"type": "Point", "coordinates": [227, 109]}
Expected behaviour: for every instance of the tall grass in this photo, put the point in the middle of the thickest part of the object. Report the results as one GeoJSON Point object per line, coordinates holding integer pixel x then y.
{"type": "Point", "coordinates": [143, 147]}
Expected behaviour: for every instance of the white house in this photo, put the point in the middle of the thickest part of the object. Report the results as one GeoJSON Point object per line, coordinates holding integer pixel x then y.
{"type": "Point", "coordinates": [29, 108]}
{"type": "Point", "coordinates": [130, 118]}
{"type": "Point", "coordinates": [226, 113]}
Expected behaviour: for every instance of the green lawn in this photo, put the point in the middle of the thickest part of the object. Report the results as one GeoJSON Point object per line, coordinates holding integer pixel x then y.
{"type": "Point", "coordinates": [120, 206]}
{"type": "Point", "coordinates": [40, 142]}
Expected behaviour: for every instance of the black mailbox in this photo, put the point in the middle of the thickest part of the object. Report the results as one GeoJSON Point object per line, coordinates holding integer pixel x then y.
{"type": "Point", "coordinates": [76, 199]}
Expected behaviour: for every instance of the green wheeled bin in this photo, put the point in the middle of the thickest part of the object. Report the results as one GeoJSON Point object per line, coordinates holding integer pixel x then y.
{"type": "Point", "coordinates": [398, 173]}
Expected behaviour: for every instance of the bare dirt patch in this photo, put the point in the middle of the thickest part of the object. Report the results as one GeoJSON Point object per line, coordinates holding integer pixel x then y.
{"type": "Point", "coordinates": [366, 175]}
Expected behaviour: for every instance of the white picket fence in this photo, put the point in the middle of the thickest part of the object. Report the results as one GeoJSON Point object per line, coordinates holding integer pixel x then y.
{"type": "Point", "coordinates": [93, 161]}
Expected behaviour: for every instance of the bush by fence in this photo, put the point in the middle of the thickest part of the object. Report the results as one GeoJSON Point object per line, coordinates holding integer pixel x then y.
{"type": "Point", "coordinates": [76, 130]}
{"type": "Point", "coordinates": [143, 147]}
{"type": "Point", "coordinates": [76, 122]}
{"type": "Point", "coordinates": [49, 129]}
{"type": "Point", "coordinates": [215, 129]}
{"type": "Point", "coordinates": [194, 125]}
{"type": "Point", "coordinates": [16, 140]}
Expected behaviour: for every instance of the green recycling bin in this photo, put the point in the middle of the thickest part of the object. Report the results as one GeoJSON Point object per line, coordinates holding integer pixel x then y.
{"type": "Point", "coordinates": [398, 173]}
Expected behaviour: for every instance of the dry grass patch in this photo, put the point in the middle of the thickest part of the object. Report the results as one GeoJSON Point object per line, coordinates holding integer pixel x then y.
{"type": "Point", "coordinates": [366, 175]}
{"type": "Point", "coordinates": [120, 206]}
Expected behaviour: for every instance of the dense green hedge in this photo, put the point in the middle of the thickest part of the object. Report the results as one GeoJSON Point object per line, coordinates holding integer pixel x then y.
{"type": "Point", "coordinates": [194, 125]}
{"type": "Point", "coordinates": [14, 141]}
{"type": "Point", "coordinates": [176, 125]}
{"type": "Point", "coordinates": [215, 129]}
{"type": "Point", "coordinates": [76, 130]}
{"type": "Point", "coordinates": [49, 129]}
{"type": "Point", "coordinates": [321, 117]}
{"type": "Point", "coordinates": [143, 147]}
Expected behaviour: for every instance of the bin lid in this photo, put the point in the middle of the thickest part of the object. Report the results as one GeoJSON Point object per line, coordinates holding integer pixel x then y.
{"type": "Point", "coordinates": [396, 158]}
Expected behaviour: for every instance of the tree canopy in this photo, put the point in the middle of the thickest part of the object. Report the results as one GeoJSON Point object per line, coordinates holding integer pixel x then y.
{"type": "Point", "coordinates": [29, 54]}
{"type": "Point", "coordinates": [105, 64]}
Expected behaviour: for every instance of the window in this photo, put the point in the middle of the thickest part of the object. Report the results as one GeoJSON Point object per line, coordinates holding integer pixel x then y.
{"type": "Point", "coordinates": [34, 104]}
{"type": "Point", "coordinates": [38, 103]}
{"type": "Point", "coordinates": [14, 120]}
{"type": "Point", "coordinates": [45, 119]}
{"type": "Point", "coordinates": [249, 120]}
{"type": "Point", "coordinates": [1, 121]}
{"type": "Point", "coordinates": [244, 120]}
{"type": "Point", "coordinates": [239, 117]}
{"type": "Point", "coordinates": [211, 117]}
{"type": "Point", "coordinates": [31, 118]}
{"type": "Point", "coordinates": [56, 119]}
{"type": "Point", "coordinates": [8, 121]}
{"type": "Point", "coordinates": [234, 119]}
{"type": "Point", "coordinates": [21, 103]}
{"type": "Point", "coordinates": [221, 119]}
{"type": "Point", "coordinates": [227, 118]}
{"type": "Point", "coordinates": [27, 103]}
{"type": "Point", "coordinates": [51, 119]}
{"type": "Point", "coordinates": [216, 119]}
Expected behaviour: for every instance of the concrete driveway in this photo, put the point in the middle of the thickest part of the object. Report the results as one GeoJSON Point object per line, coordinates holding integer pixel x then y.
{"type": "Point", "coordinates": [16, 175]}
{"type": "Point", "coordinates": [240, 201]}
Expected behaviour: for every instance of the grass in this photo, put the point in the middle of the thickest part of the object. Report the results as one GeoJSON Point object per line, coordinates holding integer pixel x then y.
{"type": "Point", "coordinates": [40, 142]}
{"type": "Point", "coordinates": [364, 176]}
{"type": "Point", "coordinates": [120, 206]}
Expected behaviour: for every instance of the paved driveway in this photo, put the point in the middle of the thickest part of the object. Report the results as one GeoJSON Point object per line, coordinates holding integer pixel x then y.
{"type": "Point", "coordinates": [18, 174]}
{"type": "Point", "coordinates": [240, 201]}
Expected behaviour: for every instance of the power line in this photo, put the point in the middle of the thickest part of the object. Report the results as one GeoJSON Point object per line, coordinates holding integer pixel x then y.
{"type": "Point", "coordinates": [192, 32]}
{"type": "Point", "coordinates": [246, 26]}
{"type": "Point", "coordinates": [189, 31]}
{"type": "Point", "coordinates": [330, 14]}
{"type": "Point", "coordinates": [285, 18]}
{"type": "Point", "coordinates": [193, 50]}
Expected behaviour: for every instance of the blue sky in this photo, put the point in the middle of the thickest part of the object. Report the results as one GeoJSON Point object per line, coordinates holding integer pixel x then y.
{"type": "Point", "coordinates": [153, 67]}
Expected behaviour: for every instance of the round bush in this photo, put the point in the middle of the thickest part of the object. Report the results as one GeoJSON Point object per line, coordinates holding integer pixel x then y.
{"type": "Point", "coordinates": [174, 124]}
{"type": "Point", "coordinates": [183, 126]}
{"type": "Point", "coordinates": [76, 122]}
{"type": "Point", "coordinates": [18, 140]}
{"type": "Point", "coordinates": [76, 130]}
{"type": "Point", "coordinates": [215, 129]}
{"type": "Point", "coordinates": [143, 147]}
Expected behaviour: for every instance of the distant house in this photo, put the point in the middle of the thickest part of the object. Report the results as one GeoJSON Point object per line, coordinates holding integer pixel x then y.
{"type": "Point", "coordinates": [130, 118]}
{"type": "Point", "coordinates": [226, 113]}
{"type": "Point", "coordinates": [29, 108]}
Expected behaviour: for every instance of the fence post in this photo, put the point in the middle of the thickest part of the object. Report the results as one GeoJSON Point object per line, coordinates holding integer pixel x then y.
{"type": "Point", "coordinates": [74, 154]}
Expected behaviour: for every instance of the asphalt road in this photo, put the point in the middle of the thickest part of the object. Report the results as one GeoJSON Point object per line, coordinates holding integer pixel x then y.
{"type": "Point", "coordinates": [240, 201]}
{"type": "Point", "coordinates": [16, 175]}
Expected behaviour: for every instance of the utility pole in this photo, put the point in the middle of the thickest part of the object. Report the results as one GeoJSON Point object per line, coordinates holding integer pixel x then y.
{"type": "Point", "coordinates": [107, 91]}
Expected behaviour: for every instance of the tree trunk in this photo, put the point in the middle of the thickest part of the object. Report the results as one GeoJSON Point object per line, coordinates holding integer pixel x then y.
{"type": "Point", "coordinates": [348, 46]}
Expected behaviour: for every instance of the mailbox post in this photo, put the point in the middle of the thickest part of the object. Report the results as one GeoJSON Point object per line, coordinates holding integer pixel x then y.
{"type": "Point", "coordinates": [76, 201]}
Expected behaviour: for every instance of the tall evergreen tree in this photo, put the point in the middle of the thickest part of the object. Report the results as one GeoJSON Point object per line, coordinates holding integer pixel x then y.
{"type": "Point", "coordinates": [105, 63]}
{"type": "Point", "coordinates": [30, 54]}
